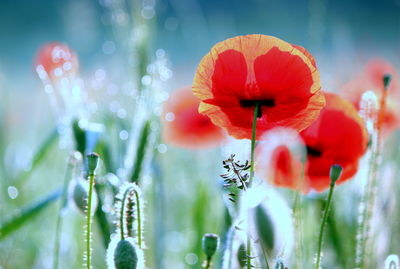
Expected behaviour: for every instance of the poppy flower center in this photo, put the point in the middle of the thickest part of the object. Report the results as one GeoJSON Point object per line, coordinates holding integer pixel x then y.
{"type": "Point", "coordinates": [313, 151]}
{"type": "Point", "coordinates": [252, 103]}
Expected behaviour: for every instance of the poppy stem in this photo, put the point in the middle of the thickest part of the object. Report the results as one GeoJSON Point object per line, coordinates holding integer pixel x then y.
{"type": "Point", "coordinates": [253, 141]}
{"type": "Point", "coordinates": [335, 172]}
{"type": "Point", "coordinates": [253, 146]}
{"type": "Point", "coordinates": [364, 246]}
{"type": "Point", "coordinates": [298, 230]}
{"type": "Point", "coordinates": [89, 222]}
{"type": "Point", "coordinates": [92, 162]}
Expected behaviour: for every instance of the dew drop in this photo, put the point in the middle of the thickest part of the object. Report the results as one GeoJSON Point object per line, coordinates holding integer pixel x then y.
{"type": "Point", "coordinates": [12, 192]}
{"type": "Point", "coordinates": [146, 80]}
{"type": "Point", "coordinates": [170, 116]}
{"type": "Point", "coordinates": [162, 148]}
{"type": "Point", "coordinates": [191, 258]}
{"type": "Point", "coordinates": [124, 135]}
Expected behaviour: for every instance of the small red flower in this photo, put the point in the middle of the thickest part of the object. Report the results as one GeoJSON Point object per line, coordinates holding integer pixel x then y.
{"type": "Point", "coordinates": [57, 60]}
{"type": "Point", "coordinates": [243, 70]}
{"type": "Point", "coordinates": [278, 158]}
{"type": "Point", "coordinates": [338, 136]}
{"type": "Point", "coordinates": [371, 79]}
{"type": "Point", "coordinates": [184, 126]}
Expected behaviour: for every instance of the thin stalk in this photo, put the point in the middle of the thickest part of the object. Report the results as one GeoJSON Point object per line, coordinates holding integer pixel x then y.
{"type": "Point", "coordinates": [67, 177]}
{"type": "Point", "coordinates": [253, 145]}
{"type": "Point", "coordinates": [297, 212]}
{"type": "Point", "coordinates": [253, 141]}
{"type": "Point", "coordinates": [363, 245]}
{"type": "Point", "coordinates": [298, 230]}
{"type": "Point", "coordinates": [139, 219]}
{"type": "Point", "coordinates": [323, 224]}
{"type": "Point", "coordinates": [122, 214]}
{"type": "Point", "coordinates": [208, 263]}
{"type": "Point", "coordinates": [89, 222]}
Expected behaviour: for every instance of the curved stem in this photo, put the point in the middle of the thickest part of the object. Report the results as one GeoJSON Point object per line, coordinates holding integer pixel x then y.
{"type": "Point", "coordinates": [122, 214]}
{"type": "Point", "coordinates": [323, 224]}
{"type": "Point", "coordinates": [139, 220]}
{"type": "Point", "coordinates": [89, 222]}
{"type": "Point", "coordinates": [253, 145]}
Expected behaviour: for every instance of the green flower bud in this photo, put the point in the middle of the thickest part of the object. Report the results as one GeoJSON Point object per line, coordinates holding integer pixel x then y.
{"type": "Point", "coordinates": [210, 244]}
{"type": "Point", "coordinates": [242, 256]}
{"type": "Point", "coordinates": [335, 173]}
{"type": "Point", "coordinates": [92, 162]}
{"type": "Point", "coordinates": [387, 78]}
{"type": "Point", "coordinates": [125, 255]}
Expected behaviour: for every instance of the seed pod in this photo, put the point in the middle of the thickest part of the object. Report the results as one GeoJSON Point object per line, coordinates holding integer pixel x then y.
{"type": "Point", "coordinates": [387, 78]}
{"type": "Point", "coordinates": [124, 254]}
{"type": "Point", "coordinates": [335, 173]}
{"type": "Point", "coordinates": [210, 244]}
{"type": "Point", "coordinates": [92, 162]}
{"type": "Point", "coordinates": [241, 256]}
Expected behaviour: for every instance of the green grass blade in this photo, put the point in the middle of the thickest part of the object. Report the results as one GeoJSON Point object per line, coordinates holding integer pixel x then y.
{"type": "Point", "coordinates": [26, 214]}
{"type": "Point", "coordinates": [39, 155]}
{"type": "Point", "coordinates": [141, 152]}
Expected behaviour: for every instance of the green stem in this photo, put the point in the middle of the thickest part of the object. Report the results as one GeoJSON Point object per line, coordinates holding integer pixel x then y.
{"type": "Point", "coordinates": [323, 224]}
{"type": "Point", "coordinates": [208, 263]}
{"type": "Point", "coordinates": [298, 220]}
{"type": "Point", "coordinates": [67, 177]}
{"type": "Point", "coordinates": [89, 222]}
{"type": "Point", "coordinates": [364, 247]}
{"type": "Point", "coordinates": [253, 142]}
{"type": "Point", "coordinates": [122, 213]}
{"type": "Point", "coordinates": [298, 229]}
{"type": "Point", "coordinates": [139, 220]}
{"type": "Point", "coordinates": [253, 145]}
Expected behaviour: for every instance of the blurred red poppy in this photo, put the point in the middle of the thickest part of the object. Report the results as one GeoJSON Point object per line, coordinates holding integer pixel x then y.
{"type": "Point", "coordinates": [338, 136]}
{"type": "Point", "coordinates": [278, 158]}
{"type": "Point", "coordinates": [57, 59]}
{"type": "Point", "coordinates": [184, 127]}
{"type": "Point", "coordinates": [242, 71]}
{"type": "Point", "coordinates": [371, 79]}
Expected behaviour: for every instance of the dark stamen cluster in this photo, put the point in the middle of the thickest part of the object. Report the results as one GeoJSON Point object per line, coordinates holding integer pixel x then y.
{"type": "Point", "coordinates": [260, 103]}
{"type": "Point", "coordinates": [313, 151]}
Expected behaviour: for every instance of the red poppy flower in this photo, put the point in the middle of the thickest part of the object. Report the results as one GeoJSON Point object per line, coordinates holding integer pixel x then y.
{"type": "Point", "coordinates": [338, 136]}
{"type": "Point", "coordinates": [371, 80]}
{"type": "Point", "coordinates": [184, 126]}
{"type": "Point", "coordinates": [57, 60]}
{"type": "Point", "coordinates": [243, 70]}
{"type": "Point", "coordinates": [278, 158]}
